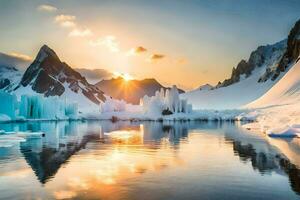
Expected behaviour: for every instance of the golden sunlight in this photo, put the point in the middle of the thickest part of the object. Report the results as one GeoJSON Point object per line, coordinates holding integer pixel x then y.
{"type": "Point", "coordinates": [125, 76]}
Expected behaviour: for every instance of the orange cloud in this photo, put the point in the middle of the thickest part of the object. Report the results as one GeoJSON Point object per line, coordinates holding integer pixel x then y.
{"type": "Point", "coordinates": [140, 49]}
{"type": "Point", "coordinates": [21, 56]}
{"type": "Point", "coordinates": [156, 56]}
{"type": "Point", "coordinates": [136, 50]}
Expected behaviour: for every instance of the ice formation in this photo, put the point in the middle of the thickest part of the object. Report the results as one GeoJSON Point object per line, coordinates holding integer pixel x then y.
{"type": "Point", "coordinates": [8, 105]}
{"type": "Point", "coordinates": [112, 105]}
{"type": "Point", "coordinates": [36, 107]}
{"type": "Point", "coordinates": [165, 101]}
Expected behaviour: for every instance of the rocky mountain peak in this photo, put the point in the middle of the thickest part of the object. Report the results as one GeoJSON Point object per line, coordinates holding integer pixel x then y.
{"type": "Point", "coordinates": [292, 52]}
{"type": "Point", "coordinates": [49, 76]}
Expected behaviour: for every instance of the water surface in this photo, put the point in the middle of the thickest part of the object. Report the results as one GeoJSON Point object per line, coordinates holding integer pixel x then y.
{"type": "Point", "coordinates": [151, 160]}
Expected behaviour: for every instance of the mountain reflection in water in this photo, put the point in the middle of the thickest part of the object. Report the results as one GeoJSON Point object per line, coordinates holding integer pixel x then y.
{"type": "Point", "coordinates": [121, 160]}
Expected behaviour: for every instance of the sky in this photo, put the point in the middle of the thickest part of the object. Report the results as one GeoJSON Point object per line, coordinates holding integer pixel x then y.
{"type": "Point", "coordinates": [187, 43]}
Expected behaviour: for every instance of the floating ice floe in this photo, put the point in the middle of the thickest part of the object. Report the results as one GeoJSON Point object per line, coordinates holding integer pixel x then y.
{"type": "Point", "coordinates": [287, 132]}
{"type": "Point", "coordinates": [9, 139]}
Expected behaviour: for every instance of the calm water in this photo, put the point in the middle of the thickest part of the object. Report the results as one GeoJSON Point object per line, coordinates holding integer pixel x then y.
{"type": "Point", "coordinates": [104, 160]}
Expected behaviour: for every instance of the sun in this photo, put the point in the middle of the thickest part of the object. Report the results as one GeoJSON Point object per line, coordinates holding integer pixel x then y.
{"type": "Point", "coordinates": [127, 77]}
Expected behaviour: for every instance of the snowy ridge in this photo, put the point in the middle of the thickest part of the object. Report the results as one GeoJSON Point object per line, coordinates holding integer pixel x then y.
{"type": "Point", "coordinates": [286, 91]}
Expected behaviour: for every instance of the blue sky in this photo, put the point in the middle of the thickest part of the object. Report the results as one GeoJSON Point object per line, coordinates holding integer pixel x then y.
{"type": "Point", "coordinates": [196, 41]}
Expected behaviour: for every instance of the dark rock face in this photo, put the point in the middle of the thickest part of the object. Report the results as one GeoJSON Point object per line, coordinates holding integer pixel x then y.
{"type": "Point", "coordinates": [4, 83]}
{"type": "Point", "coordinates": [130, 91]}
{"type": "Point", "coordinates": [47, 85]}
{"type": "Point", "coordinates": [293, 50]}
{"type": "Point", "coordinates": [51, 77]}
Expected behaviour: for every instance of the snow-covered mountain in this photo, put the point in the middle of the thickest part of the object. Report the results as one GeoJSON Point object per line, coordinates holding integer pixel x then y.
{"type": "Point", "coordinates": [250, 79]}
{"type": "Point", "coordinates": [49, 76]}
{"type": "Point", "coordinates": [13, 60]}
{"type": "Point", "coordinates": [206, 87]}
{"type": "Point", "coordinates": [11, 70]}
{"type": "Point", "coordinates": [244, 85]}
{"type": "Point", "coordinates": [130, 90]}
{"type": "Point", "coordinates": [9, 77]}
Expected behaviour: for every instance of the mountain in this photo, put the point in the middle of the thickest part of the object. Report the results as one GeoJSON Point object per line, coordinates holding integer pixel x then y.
{"type": "Point", "coordinates": [95, 75]}
{"type": "Point", "coordinates": [206, 87]}
{"type": "Point", "coordinates": [9, 77]}
{"type": "Point", "coordinates": [266, 57]}
{"type": "Point", "coordinates": [11, 70]}
{"type": "Point", "coordinates": [49, 76]}
{"type": "Point", "coordinates": [131, 91]}
{"type": "Point", "coordinates": [252, 78]}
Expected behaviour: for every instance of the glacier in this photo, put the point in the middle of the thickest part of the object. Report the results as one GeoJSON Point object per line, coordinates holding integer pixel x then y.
{"type": "Point", "coordinates": [36, 107]}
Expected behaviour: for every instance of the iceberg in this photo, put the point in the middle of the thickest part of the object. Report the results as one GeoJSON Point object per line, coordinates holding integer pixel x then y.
{"type": "Point", "coordinates": [165, 102]}
{"type": "Point", "coordinates": [287, 132]}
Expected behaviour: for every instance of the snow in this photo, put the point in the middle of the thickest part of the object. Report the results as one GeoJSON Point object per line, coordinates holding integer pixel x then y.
{"type": "Point", "coordinates": [286, 91]}
{"type": "Point", "coordinates": [279, 108]}
{"type": "Point", "coordinates": [230, 97]}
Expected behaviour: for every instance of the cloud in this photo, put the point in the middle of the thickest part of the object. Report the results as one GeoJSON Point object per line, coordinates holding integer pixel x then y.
{"type": "Point", "coordinates": [46, 8]}
{"type": "Point", "coordinates": [65, 20]}
{"type": "Point", "coordinates": [20, 56]}
{"type": "Point", "coordinates": [107, 41]}
{"type": "Point", "coordinates": [68, 24]}
{"type": "Point", "coordinates": [95, 75]}
{"type": "Point", "coordinates": [136, 50]}
{"type": "Point", "coordinates": [15, 60]}
{"type": "Point", "coordinates": [64, 194]}
{"type": "Point", "coordinates": [157, 56]}
{"type": "Point", "coordinates": [80, 33]}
